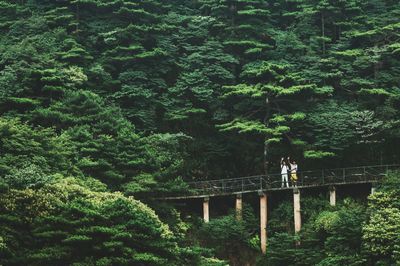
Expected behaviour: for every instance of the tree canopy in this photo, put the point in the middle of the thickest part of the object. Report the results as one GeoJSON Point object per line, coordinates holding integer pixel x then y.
{"type": "Point", "coordinates": [108, 104]}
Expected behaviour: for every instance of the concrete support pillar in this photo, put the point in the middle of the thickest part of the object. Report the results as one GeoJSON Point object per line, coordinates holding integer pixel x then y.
{"type": "Point", "coordinates": [263, 222]}
{"type": "Point", "coordinates": [296, 208]}
{"type": "Point", "coordinates": [373, 190]}
{"type": "Point", "coordinates": [206, 210]}
{"type": "Point", "coordinates": [238, 206]}
{"type": "Point", "coordinates": [332, 196]}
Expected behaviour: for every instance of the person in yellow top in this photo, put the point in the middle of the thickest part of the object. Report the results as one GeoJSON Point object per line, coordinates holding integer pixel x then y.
{"type": "Point", "coordinates": [293, 173]}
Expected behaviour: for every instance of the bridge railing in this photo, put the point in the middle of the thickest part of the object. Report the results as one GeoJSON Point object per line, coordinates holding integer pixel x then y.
{"type": "Point", "coordinates": [305, 179]}
{"type": "Point", "coordinates": [229, 186]}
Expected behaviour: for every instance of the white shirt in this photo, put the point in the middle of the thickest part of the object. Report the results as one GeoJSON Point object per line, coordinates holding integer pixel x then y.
{"type": "Point", "coordinates": [284, 169]}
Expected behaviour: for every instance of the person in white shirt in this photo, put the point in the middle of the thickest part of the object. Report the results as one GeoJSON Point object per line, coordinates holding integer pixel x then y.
{"type": "Point", "coordinates": [284, 173]}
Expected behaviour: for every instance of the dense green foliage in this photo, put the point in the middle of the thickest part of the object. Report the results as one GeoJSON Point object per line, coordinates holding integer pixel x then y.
{"type": "Point", "coordinates": [232, 238]}
{"type": "Point", "coordinates": [105, 104]}
{"type": "Point", "coordinates": [348, 234]}
{"type": "Point", "coordinates": [221, 75]}
{"type": "Point", "coordinates": [70, 222]}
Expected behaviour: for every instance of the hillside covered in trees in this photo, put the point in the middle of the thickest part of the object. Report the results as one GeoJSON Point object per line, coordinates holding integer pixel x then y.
{"type": "Point", "coordinates": [108, 104]}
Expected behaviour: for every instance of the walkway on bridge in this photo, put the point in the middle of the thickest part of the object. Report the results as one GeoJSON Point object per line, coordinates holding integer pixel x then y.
{"type": "Point", "coordinates": [262, 184]}
{"type": "Point", "coordinates": [306, 179]}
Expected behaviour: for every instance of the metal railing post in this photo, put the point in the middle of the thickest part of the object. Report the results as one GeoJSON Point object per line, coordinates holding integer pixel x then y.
{"type": "Point", "coordinates": [261, 186]}
{"type": "Point", "coordinates": [344, 175]}
{"type": "Point", "coordinates": [365, 174]}
{"type": "Point", "coordinates": [303, 177]}
{"type": "Point", "coordinates": [242, 185]}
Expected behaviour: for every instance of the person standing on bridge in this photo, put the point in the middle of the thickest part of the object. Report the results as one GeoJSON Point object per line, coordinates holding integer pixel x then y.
{"type": "Point", "coordinates": [293, 173]}
{"type": "Point", "coordinates": [284, 173]}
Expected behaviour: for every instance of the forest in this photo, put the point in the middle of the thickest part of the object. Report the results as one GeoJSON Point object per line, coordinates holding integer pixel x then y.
{"type": "Point", "coordinates": [106, 106]}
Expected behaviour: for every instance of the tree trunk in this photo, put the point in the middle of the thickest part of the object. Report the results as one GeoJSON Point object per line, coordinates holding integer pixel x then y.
{"type": "Point", "coordinates": [77, 17]}
{"type": "Point", "coordinates": [233, 9]}
{"type": "Point", "coordinates": [323, 32]}
{"type": "Point", "coordinates": [266, 145]}
{"type": "Point", "coordinates": [266, 163]}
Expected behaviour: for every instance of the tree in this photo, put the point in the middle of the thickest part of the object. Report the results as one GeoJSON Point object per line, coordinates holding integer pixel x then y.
{"type": "Point", "coordinates": [232, 237]}
{"type": "Point", "coordinates": [70, 222]}
{"type": "Point", "coordinates": [39, 151]}
{"type": "Point", "coordinates": [267, 107]}
{"type": "Point", "coordinates": [381, 232]}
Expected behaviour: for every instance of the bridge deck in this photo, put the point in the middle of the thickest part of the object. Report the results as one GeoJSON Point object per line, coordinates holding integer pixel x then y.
{"type": "Point", "coordinates": [269, 183]}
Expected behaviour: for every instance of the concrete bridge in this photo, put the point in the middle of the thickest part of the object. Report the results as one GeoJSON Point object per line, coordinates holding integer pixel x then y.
{"type": "Point", "coordinates": [264, 184]}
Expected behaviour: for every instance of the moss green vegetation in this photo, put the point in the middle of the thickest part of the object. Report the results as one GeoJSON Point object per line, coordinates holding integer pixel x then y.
{"type": "Point", "coordinates": [107, 104]}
